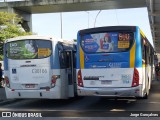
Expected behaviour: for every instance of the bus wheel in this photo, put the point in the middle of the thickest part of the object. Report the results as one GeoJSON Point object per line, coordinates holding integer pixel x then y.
{"type": "Point", "coordinates": [147, 92]}
{"type": "Point", "coordinates": [146, 96]}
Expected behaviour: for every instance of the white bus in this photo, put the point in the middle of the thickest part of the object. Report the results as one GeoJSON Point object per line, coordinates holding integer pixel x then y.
{"type": "Point", "coordinates": [39, 67]}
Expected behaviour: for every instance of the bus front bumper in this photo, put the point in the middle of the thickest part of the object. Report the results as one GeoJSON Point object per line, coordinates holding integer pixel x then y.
{"type": "Point", "coordinates": [111, 92]}
{"type": "Point", "coordinates": [41, 93]}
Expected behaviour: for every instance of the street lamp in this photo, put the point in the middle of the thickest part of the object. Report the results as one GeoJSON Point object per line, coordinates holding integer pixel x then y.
{"type": "Point", "coordinates": [96, 18]}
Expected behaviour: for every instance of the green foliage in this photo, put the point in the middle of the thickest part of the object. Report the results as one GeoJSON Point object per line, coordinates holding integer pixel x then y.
{"type": "Point", "coordinates": [75, 40]}
{"type": "Point", "coordinates": [1, 48]}
{"type": "Point", "coordinates": [9, 28]}
{"type": "Point", "coordinates": [12, 31]}
{"type": "Point", "coordinates": [10, 18]}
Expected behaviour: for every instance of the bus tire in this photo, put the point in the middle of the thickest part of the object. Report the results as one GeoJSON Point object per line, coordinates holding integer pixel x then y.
{"type": "Point", "coordinates": [146, 96]}
{"type": "Point", "coordinates": [147, 91]}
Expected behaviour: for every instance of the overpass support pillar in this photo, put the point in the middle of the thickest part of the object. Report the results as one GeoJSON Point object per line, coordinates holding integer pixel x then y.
{"type": "Point", "coordinates": [26, 17]}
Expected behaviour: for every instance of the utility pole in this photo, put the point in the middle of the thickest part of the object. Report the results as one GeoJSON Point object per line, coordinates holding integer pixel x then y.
{"type": "Point", "coordinates": [61, 24]}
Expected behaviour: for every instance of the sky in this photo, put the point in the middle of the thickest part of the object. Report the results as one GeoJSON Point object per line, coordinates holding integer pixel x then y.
{"type": "Point", "coordinates": [49, 24]}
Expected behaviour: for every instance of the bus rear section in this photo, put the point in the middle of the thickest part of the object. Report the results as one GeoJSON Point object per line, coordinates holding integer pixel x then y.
{"type": "Point", "coordinates": [109, 62]}
{"type": "Point", "coordinates": [28, 71]}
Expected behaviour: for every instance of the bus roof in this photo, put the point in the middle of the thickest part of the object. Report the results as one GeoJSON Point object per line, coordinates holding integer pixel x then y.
{"type": "Point", "coordinates": [107, 28]}
{"type": "Point", "coordinates": [52, 38]}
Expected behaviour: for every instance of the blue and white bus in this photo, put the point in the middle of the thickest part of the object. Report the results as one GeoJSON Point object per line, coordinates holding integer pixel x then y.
{"type": "Point", "coordinates": [39, 67]}
{"type": "Point", "coordinates": [115, 61]}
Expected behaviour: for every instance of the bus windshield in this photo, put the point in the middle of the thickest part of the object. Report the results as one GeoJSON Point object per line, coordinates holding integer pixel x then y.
{"type": "Point", "coordinates": [28, 49]}
{"type": "Point", "coordinates": [107, 42]}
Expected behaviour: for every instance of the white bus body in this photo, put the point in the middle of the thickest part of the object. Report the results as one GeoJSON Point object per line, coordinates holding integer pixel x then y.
{"type": "Point", "coordinates": [40, 75]}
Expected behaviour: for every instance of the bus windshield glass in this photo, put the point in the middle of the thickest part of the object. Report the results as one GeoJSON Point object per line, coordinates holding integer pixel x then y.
{"type": "Point", "coordinates": [28, 49]}
{"type": "Point", "coordinates": [107, 42]}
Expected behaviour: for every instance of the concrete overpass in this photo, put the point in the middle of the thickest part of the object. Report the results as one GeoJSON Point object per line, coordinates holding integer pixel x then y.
{"type": "Point", "coordinates": [27, 7]}
{"type": "Point", "coordinates": [154, 17]}
{"type": "Point", "coordinates": [50, 6]}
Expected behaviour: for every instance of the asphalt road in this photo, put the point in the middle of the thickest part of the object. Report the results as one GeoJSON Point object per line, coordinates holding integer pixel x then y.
{"type": "Point", "coordinates": [90, 107]}
{"type": "Point", "coordinates": [2, 94]}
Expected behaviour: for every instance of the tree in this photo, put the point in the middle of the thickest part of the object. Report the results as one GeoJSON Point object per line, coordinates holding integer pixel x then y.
{"type": "Point", "coordinates": [9, 28]}
{"type": "Point", "coordinates": [75, 40]}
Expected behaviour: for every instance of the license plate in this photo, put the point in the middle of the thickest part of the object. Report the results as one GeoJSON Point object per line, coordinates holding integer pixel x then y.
{"type": "Point", "coordinates": [30, 85]}
{"type": "Point", "coordinates": [106, 82]}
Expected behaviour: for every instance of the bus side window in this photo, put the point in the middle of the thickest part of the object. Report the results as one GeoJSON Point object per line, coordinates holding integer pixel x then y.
{"type": "Point", "coordinates": [147, 55]}
{"type": "Point", "coordinates": [62, 55]}
{"type": "Point", "coordinates": [145, 51]}
{"type": "Point", "coordinates": [143, 55]}
{"type": "Point", "coordinates": [62, 59]}
{"type": "Point", "coordinates": [68, 60]}
{"type": "Point", "coordinates": [74, 59]}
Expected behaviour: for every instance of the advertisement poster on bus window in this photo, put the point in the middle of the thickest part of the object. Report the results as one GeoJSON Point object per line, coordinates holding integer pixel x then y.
{"type": "Point", "coordinates": [100, 42]}
{"type": "Point", "coordinates": [22, 49]}
{"type": "Point", "coordinates": [105, 42]}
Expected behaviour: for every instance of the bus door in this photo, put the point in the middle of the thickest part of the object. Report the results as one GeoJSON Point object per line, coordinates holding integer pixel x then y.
{"type": "Point", "coordinates": [67, 71]}
{"type": "Point", "coordinates": [70, 72]}
{"type": "Point", "coordinates": [74, 73]}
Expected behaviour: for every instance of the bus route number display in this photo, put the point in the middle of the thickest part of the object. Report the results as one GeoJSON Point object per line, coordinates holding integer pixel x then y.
{"type": "Point", "coordinates": [123, 40]}
{"type": "Point", "coordinates": [43, 52]}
